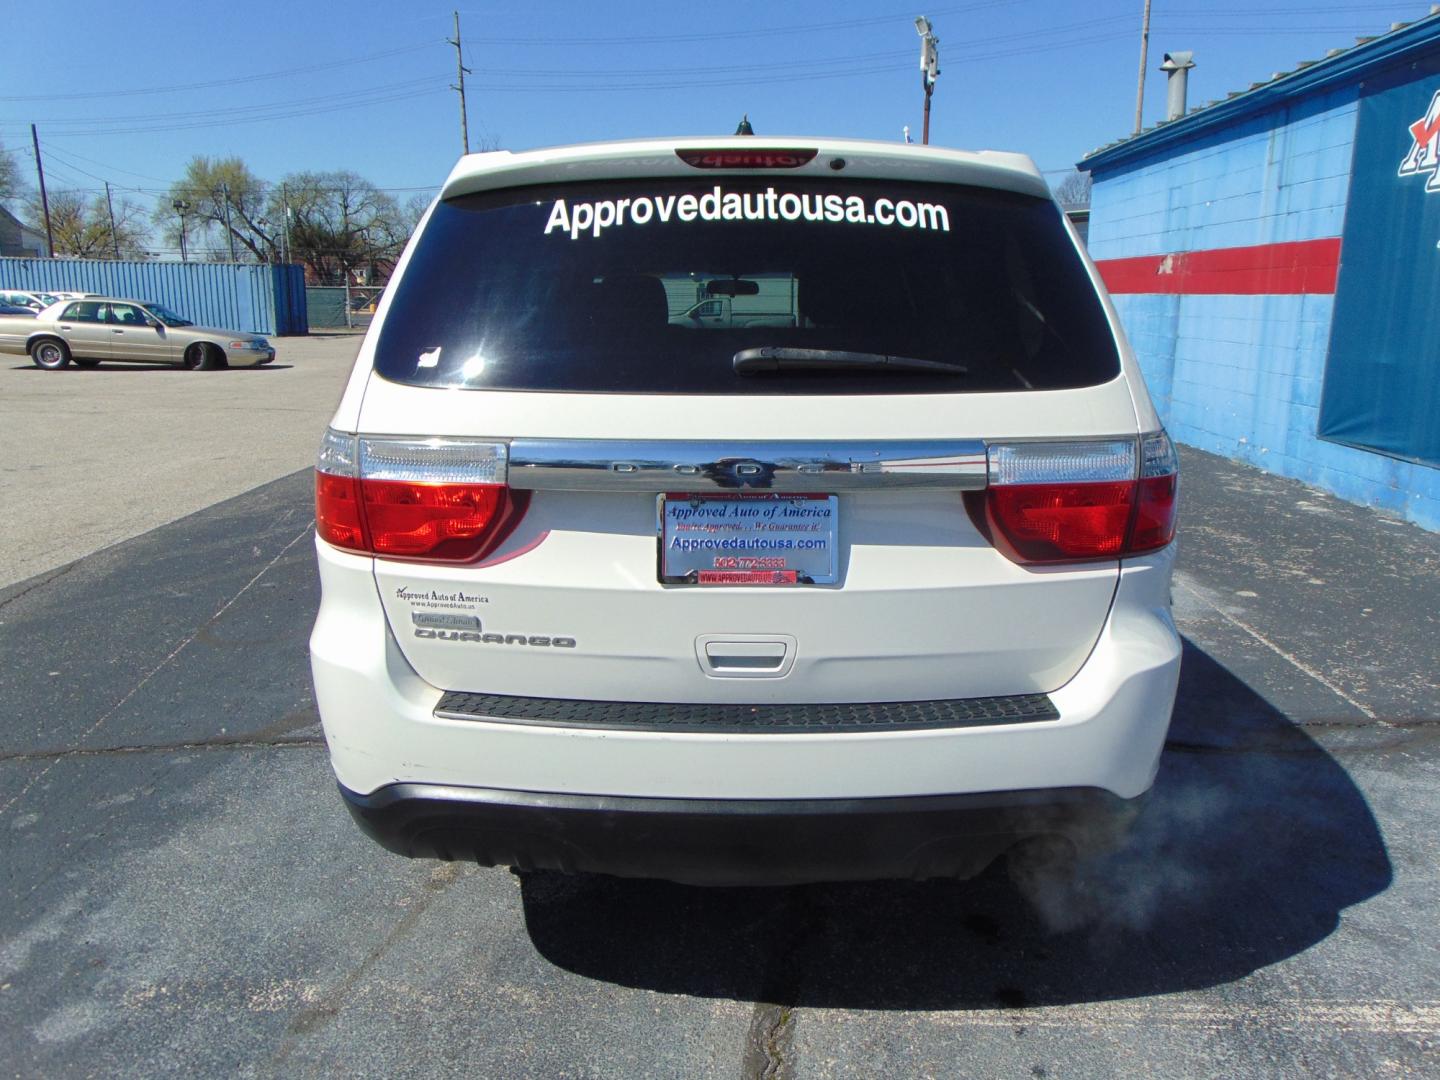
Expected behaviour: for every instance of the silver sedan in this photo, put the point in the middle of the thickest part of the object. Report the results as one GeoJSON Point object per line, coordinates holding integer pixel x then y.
{"type": "Point", "coordinates": [97, 329]}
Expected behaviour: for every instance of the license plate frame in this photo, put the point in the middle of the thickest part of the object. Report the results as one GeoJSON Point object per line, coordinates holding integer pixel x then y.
{"type": "Point", "coordinates": [732, 551]}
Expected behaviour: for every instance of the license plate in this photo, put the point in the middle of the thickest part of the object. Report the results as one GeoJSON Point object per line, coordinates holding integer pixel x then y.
{"type": "Point", "coordinates": [748, 539]}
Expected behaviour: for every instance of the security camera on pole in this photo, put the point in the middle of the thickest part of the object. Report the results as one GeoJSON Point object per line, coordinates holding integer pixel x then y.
{"type": "Point", "coordinates": [929, 68]}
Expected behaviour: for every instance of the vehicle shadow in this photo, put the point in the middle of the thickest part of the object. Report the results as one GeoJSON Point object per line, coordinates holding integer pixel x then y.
{"type": "Point", "coordinates": [1253, 843]}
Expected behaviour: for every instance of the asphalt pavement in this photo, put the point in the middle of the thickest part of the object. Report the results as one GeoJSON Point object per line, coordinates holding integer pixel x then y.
{"type": "Point", "coordinates": [181, 891]}
{"type": "Point", "coordinates": [93, 456]}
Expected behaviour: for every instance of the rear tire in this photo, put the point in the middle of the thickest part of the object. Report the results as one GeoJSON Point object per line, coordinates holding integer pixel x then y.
{"type": "Point", "coordinates": [50, 354]}
{"type": "Point", "coordinates": [203, 356]}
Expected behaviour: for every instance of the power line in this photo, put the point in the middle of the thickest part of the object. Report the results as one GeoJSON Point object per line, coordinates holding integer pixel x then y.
{"type": "Point", "coordinates": [84, 172]}
{"type": "Point", "coordinates": [257, 118]}
{"type": "Point", "coordinates": [690, 69]}
{"type": "Point", "coordinates": [781, 77]}
{"type": "Point", "coordinates": [240, 110]}
{"type": "Point", "coordinates": [796, 63]}
{"type": "Point", "coordinates": [625, 79]}
{"type": "Point", "coordinates": [719, 35]}
{"type": "Point", "coordinates": [1234, 31]}
{"type": "Point", "coordinates": [778, 77]}
{"type": "Point", "coordinates": [233, 81]}
{"type": "Point", "coordinates": [116, 168]}
{"type": "Point", "coordinates": [690, 72]}
{"type": "Point", "coordinates": [1230, 13]}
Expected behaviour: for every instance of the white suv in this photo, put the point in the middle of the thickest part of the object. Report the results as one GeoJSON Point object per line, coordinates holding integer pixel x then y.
{"type": "Point", "coordinates": [866, 577]}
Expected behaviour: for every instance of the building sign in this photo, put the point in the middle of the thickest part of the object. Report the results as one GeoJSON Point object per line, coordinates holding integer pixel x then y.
{"type": "Point", "coordinates": [1424, 155]}
{"type": "Point", "coordinates": [1382, 376]}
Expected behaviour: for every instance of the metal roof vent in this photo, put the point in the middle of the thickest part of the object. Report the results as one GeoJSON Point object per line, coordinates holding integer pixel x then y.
{"type": "Point", "coordinates": [1177, 66]}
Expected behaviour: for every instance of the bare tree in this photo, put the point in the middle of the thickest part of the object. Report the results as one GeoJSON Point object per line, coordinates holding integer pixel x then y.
{"type": "Point", "coordinates": [1074, 190]}
{"type": "Point", "coordinates": [340, 223]}
{"type": "Point", "coordinates": [12, 186]}
{"type": "Point", "coordinates": [82, 229]}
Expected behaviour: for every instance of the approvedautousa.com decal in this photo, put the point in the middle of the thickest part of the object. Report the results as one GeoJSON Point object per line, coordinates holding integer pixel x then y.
{"type": "Point", "coordinates": [592, 218]}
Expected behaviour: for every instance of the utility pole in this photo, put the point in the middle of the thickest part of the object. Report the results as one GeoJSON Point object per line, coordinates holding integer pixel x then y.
{"type": "Point", "coordinates": [44, 200]}
{"type": "Point", "coordinates": [929, 68]}
{"type": "Point", "coordinates": [285, 205]}
{"type": "Point", "coordinates": [229, 232]}
{"type": "Point", "coordinates": [182, 206]}
{"type": "Point", "coordinates": [1144, 55]}
{"type": "Point", "coordinates": [345, 231]}
{"type": "Point", "coordinates": [110, 205]}
{"type": "Point", "coordinates": [459, 85]}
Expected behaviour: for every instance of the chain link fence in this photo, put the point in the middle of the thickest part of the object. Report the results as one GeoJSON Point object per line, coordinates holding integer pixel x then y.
{"type": "Point", "coordinates": [333, 307]}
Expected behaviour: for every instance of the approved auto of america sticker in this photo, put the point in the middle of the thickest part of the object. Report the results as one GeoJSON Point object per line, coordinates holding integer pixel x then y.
{"type": "Point", "coordinates": [748, 539]}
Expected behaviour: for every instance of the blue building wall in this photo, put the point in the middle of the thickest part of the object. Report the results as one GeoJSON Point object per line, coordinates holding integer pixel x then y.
{"type": "Point", "coordinates": [1240, 375]}
{"type": "Point", "coordinates": [1281, 176]}
{"type": "Point", "coordinates": [263, 299]}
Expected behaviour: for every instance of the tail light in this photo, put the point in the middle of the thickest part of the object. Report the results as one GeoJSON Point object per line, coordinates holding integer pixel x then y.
{"type": "Point", "coordinates": [426, 500]}
{"type": "Point", "coordinates": [1072, 501]}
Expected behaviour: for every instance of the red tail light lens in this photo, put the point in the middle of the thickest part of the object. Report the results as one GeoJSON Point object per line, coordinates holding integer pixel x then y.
{"type": "Point", "coordinates": [1053, 522]}
{"type": "Point", "coordinates": [1065, 502]}
{"type": "Point", "coordinates": [1155, 515]}
{"type": "Point", "coordinates": [445, 522]}
{"type": "Point", "coordinates": [436, 500]}
{"type": "Point", "coordinates": [337, 511]}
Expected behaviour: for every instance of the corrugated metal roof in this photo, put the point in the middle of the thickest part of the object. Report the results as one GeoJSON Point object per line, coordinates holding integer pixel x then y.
{"type": "Point", "coordinates": [1308, 76]}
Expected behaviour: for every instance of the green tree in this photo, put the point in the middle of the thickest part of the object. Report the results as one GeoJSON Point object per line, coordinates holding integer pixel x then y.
{"type": "Point", "coordinates": [216, 200]}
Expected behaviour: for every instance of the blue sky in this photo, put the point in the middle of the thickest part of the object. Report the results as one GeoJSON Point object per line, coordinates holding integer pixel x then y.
{"type": "Point", "coordinates": [129, 92]}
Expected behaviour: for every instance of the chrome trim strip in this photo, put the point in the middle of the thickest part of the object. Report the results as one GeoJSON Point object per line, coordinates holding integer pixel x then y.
{"type": "Point", "coordinates": [656, 466]}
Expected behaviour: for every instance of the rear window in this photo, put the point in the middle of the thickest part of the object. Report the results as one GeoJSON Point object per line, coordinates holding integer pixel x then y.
{"type": "Point", "coordinates": [654, 287]}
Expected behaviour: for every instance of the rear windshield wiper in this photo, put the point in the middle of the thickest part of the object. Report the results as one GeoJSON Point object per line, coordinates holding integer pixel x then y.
{"type": "Point", "coordinates": [769, 358]}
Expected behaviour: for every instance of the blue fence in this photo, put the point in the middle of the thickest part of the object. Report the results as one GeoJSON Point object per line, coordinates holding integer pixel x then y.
{"type": "Point", "coordinates": [264, 299]}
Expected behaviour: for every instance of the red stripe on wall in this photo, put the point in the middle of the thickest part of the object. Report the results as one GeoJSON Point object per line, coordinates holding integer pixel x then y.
{"type": "Point", "coordinates": [1304, 266]}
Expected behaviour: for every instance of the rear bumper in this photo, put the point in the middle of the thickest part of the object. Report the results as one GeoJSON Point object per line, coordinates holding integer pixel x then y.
{"type": "Point", "coordinates": [382, 724]}
{"type": "Point", "coordinates": [733, 841]}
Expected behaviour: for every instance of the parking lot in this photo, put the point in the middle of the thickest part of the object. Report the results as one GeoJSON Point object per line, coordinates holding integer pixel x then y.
{"type": "Point", "coordinates": [182, 891]}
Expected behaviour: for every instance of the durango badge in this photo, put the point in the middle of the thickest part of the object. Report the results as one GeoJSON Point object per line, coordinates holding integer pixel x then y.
{"type": "Point", "coordinates": [1424, 155]}
{"type": "Point", "coordinates": [443, 627]}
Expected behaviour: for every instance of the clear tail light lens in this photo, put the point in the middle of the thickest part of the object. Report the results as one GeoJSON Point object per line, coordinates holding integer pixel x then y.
{"type": "Point", "coordinates": [1073, 501]}
{"type": "Point", "coordinates": [429, 500]}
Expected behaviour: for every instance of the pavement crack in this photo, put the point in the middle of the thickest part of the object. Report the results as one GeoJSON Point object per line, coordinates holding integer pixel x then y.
{"type": "Point", "coordinates": [328, 1007]}
{"type": "Point", "coordinates": [144, 679]}
{"type": "Point", "coordinates": [768, 1043]}
{"type": "Point", "coordinates": [768, 1053]}
{"type": "Point", "coordinates": [41, 583]}
{"type": "Point", "coordinates": [220, 742]}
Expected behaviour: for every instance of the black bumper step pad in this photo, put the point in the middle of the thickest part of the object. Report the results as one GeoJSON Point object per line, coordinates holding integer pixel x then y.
{"type": "Point", "coordinates": [820, 718]}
